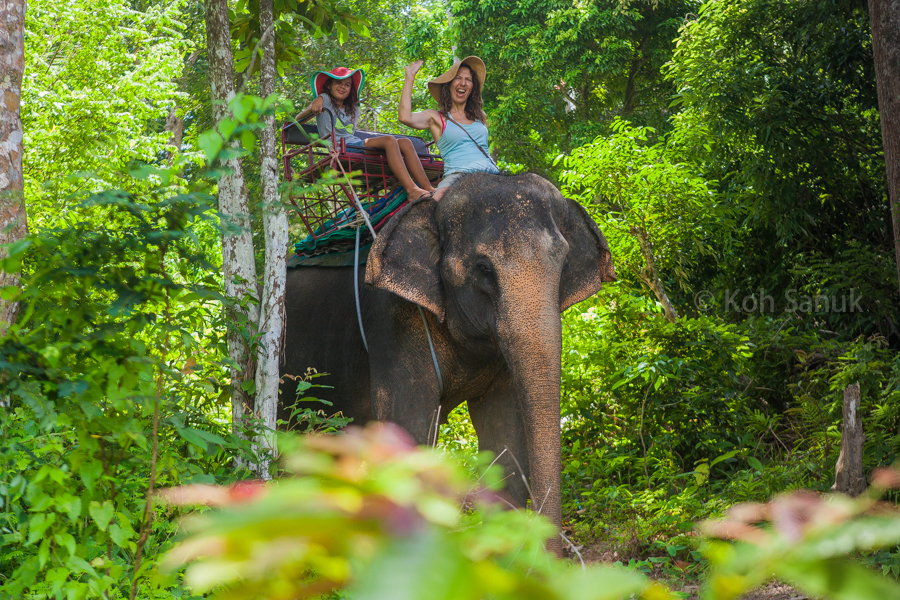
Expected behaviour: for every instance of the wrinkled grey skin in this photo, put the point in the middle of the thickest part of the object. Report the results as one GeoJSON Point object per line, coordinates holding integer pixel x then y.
{"type": "Point", "coordinates": [493, 264]}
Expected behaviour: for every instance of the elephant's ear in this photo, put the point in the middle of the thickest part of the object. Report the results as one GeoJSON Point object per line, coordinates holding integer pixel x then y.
{"type": "Point", "coordinates": [589, 263]}
{"type": "Point", "coordinates": [404, 258]}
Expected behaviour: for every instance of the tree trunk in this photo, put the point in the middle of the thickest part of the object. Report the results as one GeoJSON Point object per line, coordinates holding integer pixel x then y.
{"type": "Point", "coordinates": [848, 472]}
{"type": "Point", "coordinates": [449, 26]}
{"type": "Point", "coordinates": [637, 61]}
{"type": "Point", "coordinates": [13, 219]}
{"type": "Point", "coordinates": [275, 222]}
{"type": "Point", "coordinates": [175, 126]}
{"type": "Point", "coordinates": [650, 276]}
{"type": "Point", "coordinates": [175, 122]}
{"type": "Point", "coordinates": [238, 264]}
{"type": "Point", "coordinates": [884, 16]}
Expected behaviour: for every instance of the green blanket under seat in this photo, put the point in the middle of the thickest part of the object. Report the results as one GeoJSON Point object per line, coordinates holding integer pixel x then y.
{"type": "Point", "coordinates": [337, 248]}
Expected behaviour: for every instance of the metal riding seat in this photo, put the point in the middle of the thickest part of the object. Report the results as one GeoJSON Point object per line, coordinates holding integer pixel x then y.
{"type": "Point", "coordinates": [308, 160]}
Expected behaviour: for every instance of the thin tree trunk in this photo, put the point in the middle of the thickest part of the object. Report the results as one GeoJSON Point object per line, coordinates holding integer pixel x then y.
{"type": "Point", "coordinates": [637, 61]}
{"type": "Point", "coordinates": [650, 276]}
{"type": "Point", "coordinates": [449, 26]}
{"type": "Point", "coordinates": [175, 121]}
{"type": "Point", "coordinates": [238, 263]}
{"type": "Point", "coordinates": [175, 126]}
{"type": "Point", "coordinates": [275, 222]}
{"type": "Point", "coordinates": [884, 16]}
{"type": "Point", "coordinates": [849, 477]}
{"type": "Point", "coordinates": [13, 219]}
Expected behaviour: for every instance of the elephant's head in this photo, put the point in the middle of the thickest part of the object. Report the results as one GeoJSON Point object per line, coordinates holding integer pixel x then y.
{"type": "Point", "coordinates": [497, 260]}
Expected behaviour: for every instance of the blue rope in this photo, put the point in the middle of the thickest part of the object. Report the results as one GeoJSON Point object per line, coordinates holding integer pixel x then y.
{"type": "Point", "coordinates": [356, 289]}
{"type": "Point", "coordinates": [437, 369]}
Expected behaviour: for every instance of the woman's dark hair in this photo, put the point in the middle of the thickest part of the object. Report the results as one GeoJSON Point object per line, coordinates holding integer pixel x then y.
{"type": "Point", "coordinates": [474, 104]}
{"type": "Point", "coordinates": [350, 102]}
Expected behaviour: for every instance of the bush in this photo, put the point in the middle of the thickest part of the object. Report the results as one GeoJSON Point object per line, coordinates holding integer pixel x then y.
{"type": "Point", "coordinates": [114, 382]}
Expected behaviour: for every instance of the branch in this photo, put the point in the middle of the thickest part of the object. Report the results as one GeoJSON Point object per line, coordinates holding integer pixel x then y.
{"type": "Point", "coordinates": [253, 55]}
{"type": "Point", "coordinates": [567, 97]}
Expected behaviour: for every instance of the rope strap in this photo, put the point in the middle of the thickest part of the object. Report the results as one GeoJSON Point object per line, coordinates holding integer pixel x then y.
{"type": "Point", "coordinates": [336, 159]}
{"type": "Point", "coordinates": [437, 369]}
{"type": "Point", "coordinates": [356, 289]}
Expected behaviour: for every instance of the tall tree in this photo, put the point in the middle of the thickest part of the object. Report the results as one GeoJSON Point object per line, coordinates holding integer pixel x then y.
{"type": "Point", "coordinates": [13, 219]}
{"type": "Point", "coordinates": [275, 225]}
{"type": "Point", "coordinates": [885, 19]}
{"type": "Point", "coordinates": [265, 40]}
{"type": "Point", "coordinates": [238, 263]}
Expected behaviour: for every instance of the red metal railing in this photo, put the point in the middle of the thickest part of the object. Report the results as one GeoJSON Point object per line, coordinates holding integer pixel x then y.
{"type": "Point", "coordinates": [308, 162]}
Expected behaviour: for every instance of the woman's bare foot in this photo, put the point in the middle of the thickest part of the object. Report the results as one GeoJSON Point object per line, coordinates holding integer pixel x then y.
{"type": "Point", "coordinates": [416, 193]}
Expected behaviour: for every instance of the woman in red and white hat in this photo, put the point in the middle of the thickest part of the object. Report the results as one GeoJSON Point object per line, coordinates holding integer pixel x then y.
{"type": "Point", "coordinates": [337, 91]}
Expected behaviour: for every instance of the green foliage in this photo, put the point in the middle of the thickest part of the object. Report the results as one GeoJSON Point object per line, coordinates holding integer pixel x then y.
{"type": "Point", "coordinates": [666, 423]}
{"type": "Point", "coordinates": [778, 102]}
{"type": "Point", "coordinates": [99, 81]}
{"type": "Point", "coordinates": [854, 284]}
{"type": "Point", "coordinates": [559, 71]}
{"type": "Point", "coordinates": [302, 417]}
{"type": "Point", "coordinates": [630, 362]}
{"type": "Point", "coordinates": [115, 381]}
{"type": "Point", "coordinates": [317, 18]}
{"type": "Point", "coordinates": [787, 91]}
{"type": "Point", "coordinates": [246, 120]}
{"type": "Point", "coordinates": [806, 544]}
{"type": "Point", "coordinates": [370, 513]}
{"type": "Point", "coordinates": [641, 193]}
{"type": "Point", "coordinates": [776, 120]}
{"type": "Point", "coordinates": [656, 419]}
{"type": "Point", "coordinates": [457, 436]}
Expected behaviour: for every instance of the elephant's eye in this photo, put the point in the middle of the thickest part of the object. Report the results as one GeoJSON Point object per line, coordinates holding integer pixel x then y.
{"type": "Point", "coordinates": [483, 267]}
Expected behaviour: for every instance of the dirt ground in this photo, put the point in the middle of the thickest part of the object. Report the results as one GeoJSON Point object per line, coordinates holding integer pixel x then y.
{"type": "Point", "coordinates": [770, 591]}
{"type": "Point", "coordinates": [777, 591]}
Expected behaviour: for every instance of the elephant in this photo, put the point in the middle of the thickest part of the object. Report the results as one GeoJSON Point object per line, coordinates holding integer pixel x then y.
{"type": "Point", "coordinates": [493, 264]}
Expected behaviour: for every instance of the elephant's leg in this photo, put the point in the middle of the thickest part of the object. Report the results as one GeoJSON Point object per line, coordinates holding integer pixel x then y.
{"type": "Point", "coordinates": [404, 385]}
{"type": "Point", "coordinates": [500, 429]}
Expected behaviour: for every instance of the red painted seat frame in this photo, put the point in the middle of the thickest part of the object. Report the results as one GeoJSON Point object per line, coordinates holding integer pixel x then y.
{"type": "Point", "coordinates": [369, 169]}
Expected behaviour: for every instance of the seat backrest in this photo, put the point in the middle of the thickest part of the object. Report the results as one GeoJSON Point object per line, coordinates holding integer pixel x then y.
{"type": "Point", "coordinates": [301, 135]}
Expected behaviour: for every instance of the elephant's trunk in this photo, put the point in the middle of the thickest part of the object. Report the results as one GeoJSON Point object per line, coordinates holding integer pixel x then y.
{"type": "Point", "coordinates": [530, 336]}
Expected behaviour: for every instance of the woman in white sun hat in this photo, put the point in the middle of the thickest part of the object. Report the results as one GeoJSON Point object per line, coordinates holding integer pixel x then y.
{"type": "Point", "coordinates": [459, 127]}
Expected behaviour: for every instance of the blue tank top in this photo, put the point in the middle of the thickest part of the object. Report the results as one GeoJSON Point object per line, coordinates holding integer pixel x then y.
{"type": "Point", "coordinates": [459, 152]}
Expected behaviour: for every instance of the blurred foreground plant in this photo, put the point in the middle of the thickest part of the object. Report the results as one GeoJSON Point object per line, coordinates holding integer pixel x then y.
{"type": "Point", "coordinates": [372, 514]}
{"type": "Point", "coordinates": [806, 541]}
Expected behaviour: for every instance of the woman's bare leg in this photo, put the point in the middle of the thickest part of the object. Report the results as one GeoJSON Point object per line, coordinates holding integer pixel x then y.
{"type": "Point", "coordinates": [413, 164]}
{"type": "Point", "coordinates": [395, 162]}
